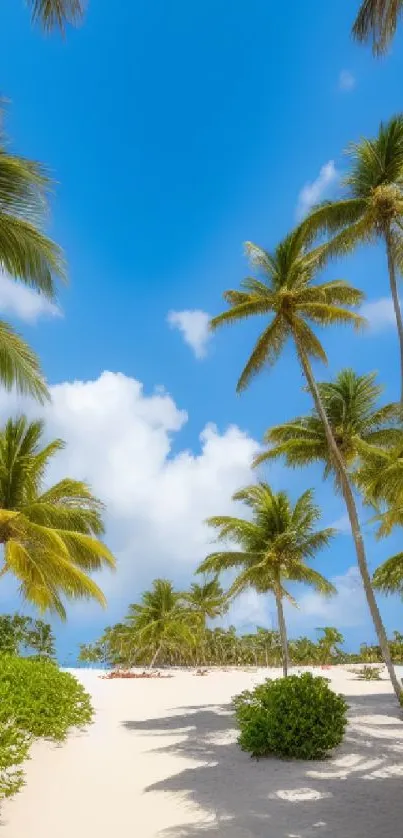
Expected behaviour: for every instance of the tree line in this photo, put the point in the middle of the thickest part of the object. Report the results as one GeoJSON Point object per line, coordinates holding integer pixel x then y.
{"type": "Point", "coordinates": [169, 628]}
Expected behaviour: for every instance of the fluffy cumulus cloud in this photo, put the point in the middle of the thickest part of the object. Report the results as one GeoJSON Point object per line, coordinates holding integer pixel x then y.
{"type": "Point", "coordinates": [380, 314]}
{"type": "Point", "coordinates": [22, 302]}
{"type": "Point", "coordinates": [194, 327]}
{"type": "Point", "coordinates": [346, 610]}
{"type": "Point", "coordinates": [120, 440]}
{"type": "Point", "coordinates": [347, 81]}
{"type": "Point", "coordinates": [313, 192]}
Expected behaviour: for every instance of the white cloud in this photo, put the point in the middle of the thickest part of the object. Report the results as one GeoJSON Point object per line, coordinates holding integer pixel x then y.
{"type": "Point", "coordinates": [347, 609]}
{"type": "Point", "coordinates": [342, 525]}
{"type": "Point", "coordinates": [313, 192]}
{"type": "Point", "coordinates": [194, 326]}
{"type": "Point", "coordinates": [380, 314]}
{"type": "Point", "coordinates": [120, 440]}
{"type": "Point", "coordinates": [347, 81]}
{"type": "Point", "coordinates": [16, 299]}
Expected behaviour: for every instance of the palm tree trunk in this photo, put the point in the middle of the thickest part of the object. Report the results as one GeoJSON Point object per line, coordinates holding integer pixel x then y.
{"type": "Point", "coordinates": [354, 521]}
{"type": "Point", "coordinates": [155, 656]}
{"type": "Point", "coordinates": [283, 632]}
{"type": "Point", "coordinates": [396, 302]}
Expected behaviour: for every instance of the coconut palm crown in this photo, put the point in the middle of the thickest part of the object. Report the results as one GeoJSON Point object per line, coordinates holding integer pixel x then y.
{"type": "Point", "coordinates": [351, 405]}
{"type": "Point", "coordinates": [50, 536]}
{"type": "Point", "coordinates": [286, 295]}
{"type": "Point", "coordinates": [272, 547]}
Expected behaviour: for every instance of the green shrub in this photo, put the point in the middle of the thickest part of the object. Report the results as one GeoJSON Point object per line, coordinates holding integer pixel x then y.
{"type": "Point", "coordinates": [369, 673]}
{"type": "Point", "coordinates": [14, 747]}
{"type": "Point", "coordinates": [36, 700]}
{"type": "Point", "coordinates": [297, 717]}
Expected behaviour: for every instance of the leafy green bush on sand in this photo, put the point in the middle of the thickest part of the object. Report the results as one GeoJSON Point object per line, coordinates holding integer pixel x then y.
{"type": "Point", "coordinates": [37, 699]}
{"type": "Point", "coordinates": [297, 717]}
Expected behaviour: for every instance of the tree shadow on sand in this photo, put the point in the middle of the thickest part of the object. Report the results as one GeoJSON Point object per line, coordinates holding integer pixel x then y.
{"type": "Point", "coordinates": [355, 794]}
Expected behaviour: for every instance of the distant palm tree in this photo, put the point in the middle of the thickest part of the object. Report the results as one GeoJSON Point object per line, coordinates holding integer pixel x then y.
{"type": "Point", "coordinates": [372, 209]}
{"type": "Point", "coordinates": [377, 21]}
{"type": "Point", "coordinates": [50, 536]}
{"type": "Point", "coordinates": [206, 602]}
{"type": "Point", "coordinates": [287, 296]}
{"type": "Point", "coordinates": [161, 622]}
{"type": "Point", "coordinates": [55, 14]}
{"type": "Point", "coordinates": [273, 547]}
{"type": "Point", "coordinates": [351, 405]}
{"type": "Point", "coordinates": [26, 254]}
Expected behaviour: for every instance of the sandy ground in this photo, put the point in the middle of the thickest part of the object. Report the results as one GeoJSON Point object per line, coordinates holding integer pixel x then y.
{"type": "Point", "coordinates": [161, 761]}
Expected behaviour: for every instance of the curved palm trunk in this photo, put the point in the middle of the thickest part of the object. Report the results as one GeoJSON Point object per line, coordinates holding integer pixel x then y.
{"type": "Point", "coordinates": [396, 301]}
{"type": "Point", "coordinates": [283, 632]}
{"type": "Point", "coordinates": [354, 521]}
{"type": "Point", "coordinates": [155, 656]}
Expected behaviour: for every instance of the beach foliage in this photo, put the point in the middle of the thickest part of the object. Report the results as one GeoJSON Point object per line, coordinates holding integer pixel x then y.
{"type": "Point", "coordinates": [298, 717]}
{"type": "Point", "coordinates": [51, 534]}
{"type": "Point", "coordinates": [37, 700]}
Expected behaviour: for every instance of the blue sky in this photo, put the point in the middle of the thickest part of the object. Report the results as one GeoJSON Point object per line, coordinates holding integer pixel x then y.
{"type": "Point", "coordinates": [176, 131]}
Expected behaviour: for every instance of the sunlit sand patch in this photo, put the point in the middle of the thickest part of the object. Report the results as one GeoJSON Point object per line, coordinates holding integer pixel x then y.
{"type": "Point", "coordinates": [298, 795]}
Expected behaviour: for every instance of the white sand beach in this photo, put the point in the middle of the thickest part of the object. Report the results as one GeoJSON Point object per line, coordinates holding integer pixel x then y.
{"type": "Point", "coordinates": [161, 761]}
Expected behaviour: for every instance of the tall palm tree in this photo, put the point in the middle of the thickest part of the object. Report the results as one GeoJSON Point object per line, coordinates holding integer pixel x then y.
{"type": "Point", "coordinates": [50, 536]}
{"type": "Point", "coordinates": [353, 413]}
{"type": "Point", "coordinates": [273, 547]}
{"type": "Point", "coordinates": [26, 254]}
{"type": "Point", "coordinates": [161, 622]}
{"type": "Point", "coordinates": [377, 21]}
{"type": "Point", "coordinates": [55, 14]}
{"type": "Point", "coordinates": [287, 295]}
{"type": "Point", "coordinates": [372, 209]}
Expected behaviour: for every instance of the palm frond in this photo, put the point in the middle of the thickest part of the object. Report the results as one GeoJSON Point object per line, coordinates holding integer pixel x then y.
{"type": "Point", "coordinates": [55, 14]}
{"type": "Point", "coordinates": [377, 21]}
{"type": "Point", "coordinates": [19, 366]}
{"type": "Point", "coordinates": [28, 255]}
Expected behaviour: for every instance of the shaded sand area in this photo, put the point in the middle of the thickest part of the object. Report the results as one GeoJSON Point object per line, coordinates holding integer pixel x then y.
{"type": "Point", "coordinates": [161, 761]}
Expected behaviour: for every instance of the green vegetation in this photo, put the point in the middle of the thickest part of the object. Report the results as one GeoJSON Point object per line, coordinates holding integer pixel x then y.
{"type": "Point", "coordinates": [273, 547]}
{"type": "Point", "coordinates": [50, 536]}
{"type": "Point", "coordinates": [22, 634]}
{"type": "Point", "coordinates": [28, 255]}
{"type": "Point", "coordinates": [123, 645]}
{"type": "Point", "coordinates": [287, 296]}
{"type": "Point", "coordinates": [368, 673]}
{"type": "Point", "coordinates": [298, 717]}
{"type": "Point", "coordinates": [37, 700]}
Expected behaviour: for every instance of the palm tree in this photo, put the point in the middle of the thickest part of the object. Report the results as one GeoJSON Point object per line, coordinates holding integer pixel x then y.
{"type": "Point", "coordinates": [273, 547]}
{"type": "Point", "coordinates": [206, 601]}
{"type": "Point", "coordinates": [54, 14]}
{"type": "Point", "coordinates": [328, 644]}
{"type": "Point", "coordinates": [372, 209]}
{"type": "Point", "coordinates": [50, 536]}
{"type": "Point", "coordinates": [286, 294]}
{"type": "Point", "coordinates": [352, 410]}
{"type": "Point", "coordinates": [25, 254]}
{"type": "Point", "coordinates": [161, 622]}
{"type": "Point", "coordinates": [377, 21]}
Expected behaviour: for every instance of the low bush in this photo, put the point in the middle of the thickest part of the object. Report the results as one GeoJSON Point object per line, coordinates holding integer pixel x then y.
{"type": "Point", "coordinates": [37, 699]}
{"type": "Point", "coordinates": [297, 717]}
{"type": "Point", "coordinates": [369, 673]}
